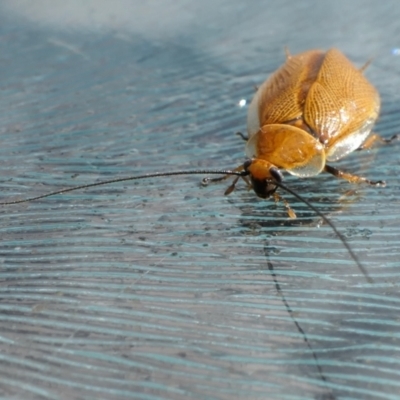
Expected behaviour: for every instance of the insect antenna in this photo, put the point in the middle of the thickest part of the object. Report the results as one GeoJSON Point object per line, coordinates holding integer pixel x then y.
{"type": "Point", "coordinates": [331, 224]}
{"type": "Point", "coordinates": [125, 179]}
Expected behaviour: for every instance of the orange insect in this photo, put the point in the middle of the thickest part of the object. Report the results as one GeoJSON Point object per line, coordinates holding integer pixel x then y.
{"type": "Point", "coordinates": [317, 107]}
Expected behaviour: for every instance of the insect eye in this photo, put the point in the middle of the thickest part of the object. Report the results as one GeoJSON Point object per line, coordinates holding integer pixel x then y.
{"type": "Point", "coordinates": [276, 174]}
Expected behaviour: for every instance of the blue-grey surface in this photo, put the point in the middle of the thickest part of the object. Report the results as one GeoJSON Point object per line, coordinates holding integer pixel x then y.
{"type": "Point", "coordinates": [161, 289]}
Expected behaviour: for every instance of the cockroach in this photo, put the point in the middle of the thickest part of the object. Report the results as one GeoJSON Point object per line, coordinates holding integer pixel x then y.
{"type": "Point", "coordinates": [316, 107]}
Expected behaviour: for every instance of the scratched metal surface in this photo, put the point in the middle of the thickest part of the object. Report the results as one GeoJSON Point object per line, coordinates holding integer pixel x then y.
{"type": "Point", "coordinates": [161, 289]}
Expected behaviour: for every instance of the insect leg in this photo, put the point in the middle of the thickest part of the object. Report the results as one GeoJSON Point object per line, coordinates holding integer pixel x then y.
{"type": "Point", "coordinates": [245, 138]}
{"type": "Point", "coordinates": [352, 178]}
{"type": "Point", "coordinates": [231, 188]}
{"type": "Point", "coordinates": [365, 66]}
{"type": "Point", "coordinates": [289, 209]}
{"type": "Point", "coordinates": [208, 180]}
{"type": "Point", "coordinates": [371, 140]}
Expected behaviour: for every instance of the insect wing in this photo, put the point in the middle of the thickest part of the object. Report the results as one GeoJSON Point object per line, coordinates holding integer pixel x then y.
{"type": "Point", "coordinates": [341, 106]}
{"type": "Point", "coordinates": [281, 97]}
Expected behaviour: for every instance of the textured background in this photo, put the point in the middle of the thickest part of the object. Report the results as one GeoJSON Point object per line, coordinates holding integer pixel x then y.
{"type": "Point", "coordinates": [161, 289]}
